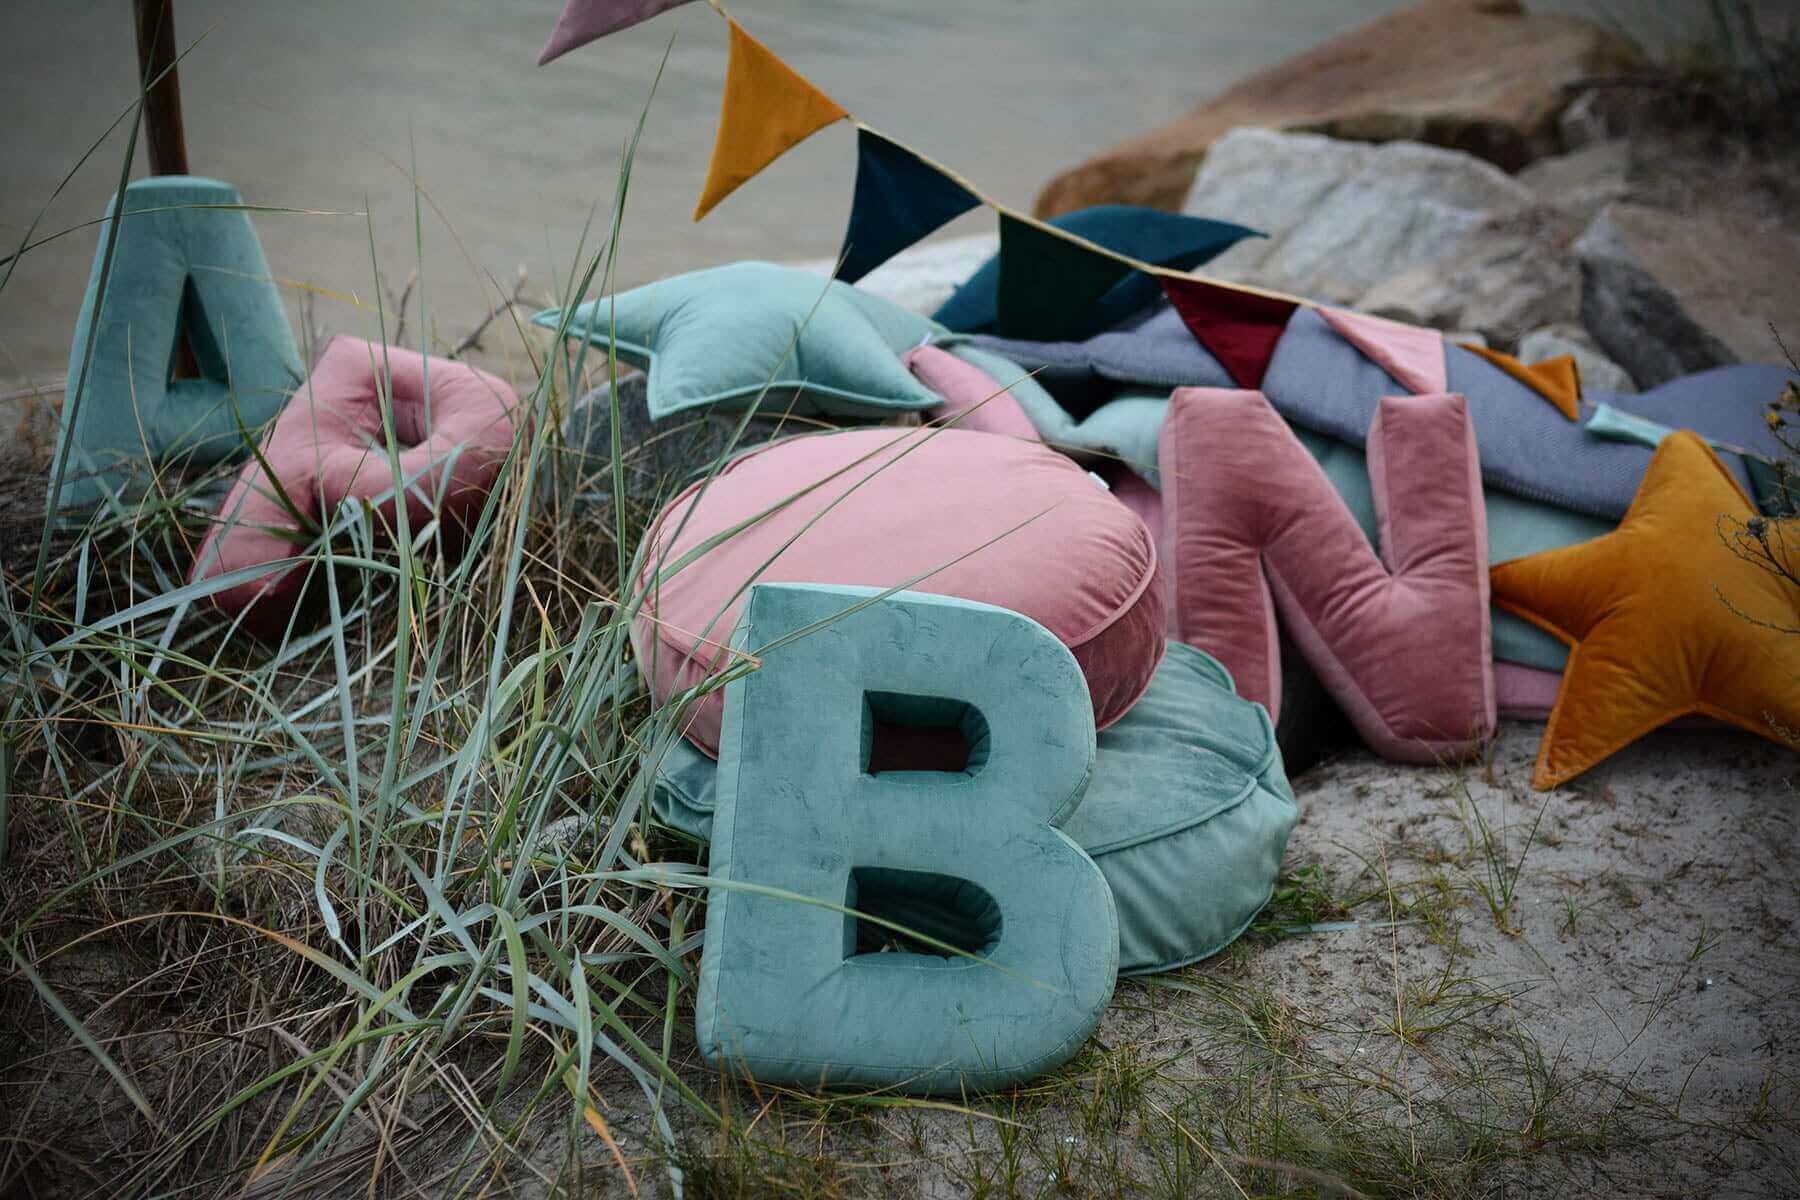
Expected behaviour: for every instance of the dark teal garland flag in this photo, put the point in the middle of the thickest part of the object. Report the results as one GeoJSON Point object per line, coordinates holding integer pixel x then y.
{"type": "Point", "coordinates": [1048, 281]}
{"type": "Point", "coordinates": [899, 199]}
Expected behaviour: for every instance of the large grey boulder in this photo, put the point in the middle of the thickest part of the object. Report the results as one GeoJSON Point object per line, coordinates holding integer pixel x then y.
{"type": "Point", "coordinates": [1344, 216]}
{"type": "Point", "coordinates": [1583, 182]}
{"type": "Point", "coordinates": [1513, 274]}
{"type": "Point", "coordinates": [1639, 285]}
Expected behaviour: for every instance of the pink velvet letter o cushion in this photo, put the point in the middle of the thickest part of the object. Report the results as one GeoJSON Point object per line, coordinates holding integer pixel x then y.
{"type": "Point", "coordinates": [1253, 526]}
{"type": "Point", "coordinates": [1010, 523]}
{"type": "Point", "coordinates": [453, 424]}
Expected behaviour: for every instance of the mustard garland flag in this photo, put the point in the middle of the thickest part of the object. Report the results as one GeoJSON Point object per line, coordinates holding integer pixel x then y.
{"type": "Point", "coordinates": [768, 108]}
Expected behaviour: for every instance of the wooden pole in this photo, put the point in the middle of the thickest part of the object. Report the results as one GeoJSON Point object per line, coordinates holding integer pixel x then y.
{"type": "Point", "coordinates": [162, 103]}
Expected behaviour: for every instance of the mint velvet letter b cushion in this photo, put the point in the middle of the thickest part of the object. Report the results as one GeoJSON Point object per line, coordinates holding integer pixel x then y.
{"type": "Point", "coordinates": [945, 511]}
{"type": "Point", "coordinates": [723, 335]}
{"type": "Point", "coordinates": [791, 990]}
{"type": "Point", "coordinates": [186, 263]}
{"type": "Point", "coordinates": [1187, 813]}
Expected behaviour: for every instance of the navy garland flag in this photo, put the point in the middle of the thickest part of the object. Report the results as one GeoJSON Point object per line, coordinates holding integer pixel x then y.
{"type": "Point", "coordinates": [1049, 281]}
{"type": "Point", "coordinates": [899, 199]}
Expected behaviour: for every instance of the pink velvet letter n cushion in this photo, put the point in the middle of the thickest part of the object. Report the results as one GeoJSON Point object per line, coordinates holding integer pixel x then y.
{"type": "Point", "coordinates": [1254, 527]}
{"type": "Point", "coordinates": [453, 425]}
{"type": "Point", "coordinates": [1005, 522]}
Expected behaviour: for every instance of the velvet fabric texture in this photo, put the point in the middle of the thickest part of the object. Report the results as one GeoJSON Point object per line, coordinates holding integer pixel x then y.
{"type": "Point", "coordinates": [948, 512]}
{"type": "Point", "coordinates": [1049, 282]}
{"type": "Point", "coordinates": [453, 426]}
{"type": "Point", "coordinates": [1555, 379]}
{"type": "Point", "coordinates": [1320, 381]}
{"type": "Point", "coordinates": [1187, 812]}
{"type": "Point", "coordinates": [789, 993]}
{"type": "Point", "coordinates": [973, 399]}
{"type": "Point", "coordinates": [1253, 526]}
{"type": "Point", "coordinates": [753, 332]}
{"type": "Point", "coordinates": [1648, 612]}
{"type": "Point", "coordinates": [1240, 328]}
{"type": "Point", "coordinates": [899, 198]}
{"type": "Point", "coordinates": [766, 110]}
{"type": "Point", "coordinates": [582, 21]}
{"type": "Point", "coordinates": [1146, 234]}
{"type": "Point", "coordinates": [187, 261]}
{"type": "Point", "coordinates": [1411, 354]}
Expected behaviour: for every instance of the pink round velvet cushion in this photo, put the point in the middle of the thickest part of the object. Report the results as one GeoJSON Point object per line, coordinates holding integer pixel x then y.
{"type": "Point", "coordinates": [903, 503]}
{"type": "Point", "coordinates": [328, 446]}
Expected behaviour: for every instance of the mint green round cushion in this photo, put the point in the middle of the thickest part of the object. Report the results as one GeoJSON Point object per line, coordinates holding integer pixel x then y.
{"type": "Point", "coordinates": [1187, 815]}
{"type": "Point", "coordinates": [1187, 812]}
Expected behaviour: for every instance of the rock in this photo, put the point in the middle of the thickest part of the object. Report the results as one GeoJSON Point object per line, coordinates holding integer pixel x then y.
{"type": "Point", "coordinates": [661, 457]}
{"type": "Point", "coordinates": [1483, 77]}
{"type": "Point", "coordinates": [1512, 274]}
{"type": "Point", "coordinates": [1343, 215]}
{"type": "Point", "coordinates": [1598, 372]}
{"type": "Point", "coordinates": [922, 277]}
{"type": "Point", "coordinates": [1665, 294]}
{"type": "Point", "coordinates": [1584, 182]}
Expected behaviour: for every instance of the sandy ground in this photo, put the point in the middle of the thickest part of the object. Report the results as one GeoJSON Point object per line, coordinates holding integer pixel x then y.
{"type": "Point", "coordinates": [1598, 995]}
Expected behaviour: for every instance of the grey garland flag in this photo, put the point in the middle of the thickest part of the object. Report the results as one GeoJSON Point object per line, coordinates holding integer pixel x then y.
{"type": "Point", "coordinates": [582, 21]}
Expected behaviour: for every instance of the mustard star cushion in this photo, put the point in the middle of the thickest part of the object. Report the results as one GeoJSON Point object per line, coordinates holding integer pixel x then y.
{"type": "Point", "coordinates": [1664, 618]}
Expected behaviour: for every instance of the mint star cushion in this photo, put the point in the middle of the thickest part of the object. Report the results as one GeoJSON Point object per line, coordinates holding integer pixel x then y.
{"type": "Point", "coordinates": [721, 335]}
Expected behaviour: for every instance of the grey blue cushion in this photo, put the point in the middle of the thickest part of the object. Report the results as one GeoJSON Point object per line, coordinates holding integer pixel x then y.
{"type": "Point", "coordinates": [805, 828]}
{"type": "Point", "coordinates": [722, 335]}
{"type": "Point", "coordinates": [1187, 813]}
{"type": "Point", "coordinates": [186, 259]}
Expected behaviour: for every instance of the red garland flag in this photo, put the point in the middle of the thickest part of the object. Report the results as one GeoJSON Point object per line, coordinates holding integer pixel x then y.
{"type": "Point", "coordinates": [1240, 328]}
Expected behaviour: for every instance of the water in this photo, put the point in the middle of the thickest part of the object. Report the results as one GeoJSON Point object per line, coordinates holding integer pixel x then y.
{"type": "Point", "coordinates": [326, 104]}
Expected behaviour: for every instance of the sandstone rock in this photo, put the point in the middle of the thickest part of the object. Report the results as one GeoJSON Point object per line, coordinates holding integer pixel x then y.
{"type": "Point", "coordinates": [1512, 274]}
{"type": "Point", "coordinates": [1665, 295]}
{"type": "Point", "coordinates": [1478, 76]}
{"type": "Point", "coordinates": [922, 277]}
{"type": "Point", "coordinates": [1342, 216]}
{"type": "Point", "coordinates": [1598, 372]}
{"type": "Point", "coordinates": [1584, 182]}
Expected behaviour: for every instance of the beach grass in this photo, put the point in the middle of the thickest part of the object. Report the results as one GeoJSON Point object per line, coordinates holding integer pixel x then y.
{"type": "Point", "coordinates": [380, 909]}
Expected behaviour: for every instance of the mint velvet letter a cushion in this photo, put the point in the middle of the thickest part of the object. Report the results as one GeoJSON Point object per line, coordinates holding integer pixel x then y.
{"type": "Point", "coordinates": [453, 426]}
{"type": "Point", "coordinates": [1253, 527]}
{"type": "Point", "coordinates": [186, 262]}
{"type": "Point", "coordinates": [723, 335]}
{"type": "Point", "coordinates": [787, 994]}
{"type": "Point", "coordinates": [945, 511]}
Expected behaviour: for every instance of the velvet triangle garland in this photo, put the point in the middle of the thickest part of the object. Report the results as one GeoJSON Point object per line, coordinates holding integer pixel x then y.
{"type": "Point", "coordinates": [1412, 354]}
{"type": "Point", "coordinates": [1239, 328]}
{"type": "Point", "coordinates": [768, 108]}
{"type": "Point", "coordinates": [582, 21]}
{"type": "Point", "coordinates": [1555, 379]}
{"type": "Point", "coordinates": [899, 199]}
{"type": "Point", "coordinates": [1049, 281]}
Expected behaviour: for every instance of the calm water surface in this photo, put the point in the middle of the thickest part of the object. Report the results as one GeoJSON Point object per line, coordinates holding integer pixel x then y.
{"type": "Point", "coordinates": [325, 104]}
